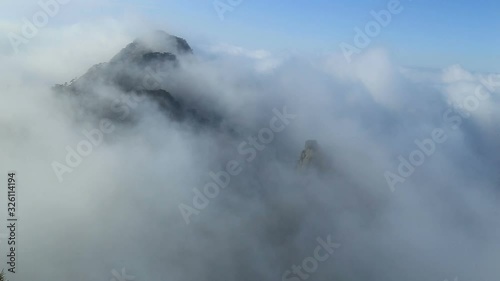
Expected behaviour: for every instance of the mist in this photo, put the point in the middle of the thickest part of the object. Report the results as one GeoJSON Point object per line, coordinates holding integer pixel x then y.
{"type": "Point", "coordinates": [130, 202]}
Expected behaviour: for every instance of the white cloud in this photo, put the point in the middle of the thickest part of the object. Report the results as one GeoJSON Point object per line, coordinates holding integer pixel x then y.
{"type": "Point", "coordinates": [124, 196]}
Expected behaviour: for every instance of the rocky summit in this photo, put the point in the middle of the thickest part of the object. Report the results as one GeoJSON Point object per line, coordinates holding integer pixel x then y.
{"type": "Point", "coordinates": [312, 158]}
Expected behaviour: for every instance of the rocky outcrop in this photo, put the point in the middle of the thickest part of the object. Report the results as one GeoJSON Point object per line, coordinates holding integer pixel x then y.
{"type": "Point", "coordinates": [312, 158]}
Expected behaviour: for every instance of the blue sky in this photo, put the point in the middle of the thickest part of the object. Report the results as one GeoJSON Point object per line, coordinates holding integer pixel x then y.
{"type": "Point", "coordinates": [427, 33]}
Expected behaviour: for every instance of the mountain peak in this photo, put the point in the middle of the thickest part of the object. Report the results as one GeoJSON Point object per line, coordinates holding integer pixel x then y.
{"type": "Point", "coordinates": [312, 158]}
{"type": "Point", "coordinates": [154, 56]}
{"type": "Point", "coordinates": [157, 44]}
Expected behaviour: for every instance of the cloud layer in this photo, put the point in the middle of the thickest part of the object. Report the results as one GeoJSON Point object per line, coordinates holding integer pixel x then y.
{"type": "Point", "coordinates": [119, 208]}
